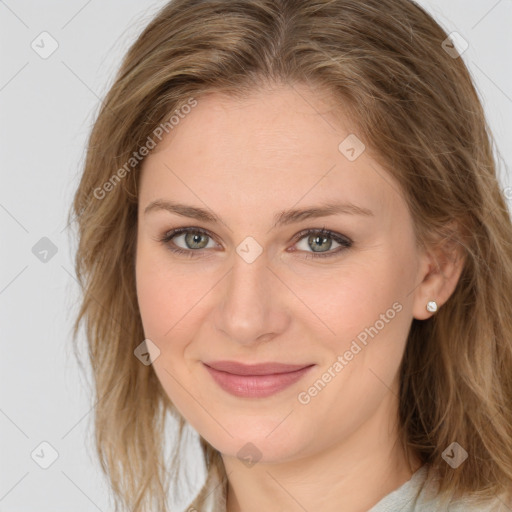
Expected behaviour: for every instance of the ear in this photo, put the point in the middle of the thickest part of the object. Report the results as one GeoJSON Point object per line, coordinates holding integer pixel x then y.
{"type": "Point", "coordinates": [438, 274]}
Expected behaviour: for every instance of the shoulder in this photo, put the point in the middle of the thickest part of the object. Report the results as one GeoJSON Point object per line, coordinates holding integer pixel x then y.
{"type": "Point", "coordinates": [420, 494]}
{"type": "Point", "coordinates": [464, 505]}
{"type": "Point", "coordinates": [429, 499]}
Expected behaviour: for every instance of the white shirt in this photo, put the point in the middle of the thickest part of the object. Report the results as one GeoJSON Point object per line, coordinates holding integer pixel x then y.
{"type": "Point", "coordinates": [414, 495]}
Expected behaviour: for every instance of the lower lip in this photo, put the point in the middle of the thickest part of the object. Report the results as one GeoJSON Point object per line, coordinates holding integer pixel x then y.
{"type": "Point", "coordinates": [256, 386]}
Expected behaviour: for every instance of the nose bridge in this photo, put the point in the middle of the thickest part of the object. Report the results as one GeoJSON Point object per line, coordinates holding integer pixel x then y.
{"type": "Point", "coordinates": [249, 307]}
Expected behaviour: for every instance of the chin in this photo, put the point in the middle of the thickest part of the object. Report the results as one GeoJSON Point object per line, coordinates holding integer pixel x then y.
{"type": "Point", "coordinates": [255, 441]}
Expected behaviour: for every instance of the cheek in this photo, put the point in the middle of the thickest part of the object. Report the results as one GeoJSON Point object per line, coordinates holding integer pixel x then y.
{"type": "Point", "coordinates": [161, 294]}
{"type": "Point", "coordinates": [151, 296]}
{"type": "Point", "coordinates": [381, 316]}
{"type": "Point", "coordinates": [163, 304]}
{"type": "Point", "coordinates": [368, 314]}
{"type": "Point", "coordinates": [366, 307]}
{"type": "Point", "coordinates": [345, 300]}
{"type": "Point", "coordinates": [173, 303]}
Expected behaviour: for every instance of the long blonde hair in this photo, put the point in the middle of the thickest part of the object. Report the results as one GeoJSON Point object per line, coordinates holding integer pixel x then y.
{"type": "Point", "coordinates": [416, 107]}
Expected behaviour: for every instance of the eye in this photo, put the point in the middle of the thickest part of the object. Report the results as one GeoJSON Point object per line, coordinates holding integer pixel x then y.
{"type": "Point", "coordinates": [193, 239]}
{"type": "Point", "coordinates": [319, 241]}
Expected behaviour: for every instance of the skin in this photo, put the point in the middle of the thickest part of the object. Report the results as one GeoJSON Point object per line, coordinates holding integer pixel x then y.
{"type": "Point", "coordinates": [247, 161]}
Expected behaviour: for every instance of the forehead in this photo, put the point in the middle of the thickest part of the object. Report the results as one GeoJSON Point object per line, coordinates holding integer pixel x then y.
{"type": "Point", "coordinates": [267, 124]}
{"type": "Point", "coordinates": [274, 147]}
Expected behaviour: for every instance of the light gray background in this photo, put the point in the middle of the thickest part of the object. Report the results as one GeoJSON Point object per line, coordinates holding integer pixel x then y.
{"type": "Point", "coordinates": [47, 109]}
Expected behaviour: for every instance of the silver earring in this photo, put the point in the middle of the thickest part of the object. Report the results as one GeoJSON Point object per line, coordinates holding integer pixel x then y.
{"type": "Point", "coordinates": [432, 306]}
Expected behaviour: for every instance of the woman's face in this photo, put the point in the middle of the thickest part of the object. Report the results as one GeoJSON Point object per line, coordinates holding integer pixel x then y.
{"type": "Point", "coordinates": [254, 287]}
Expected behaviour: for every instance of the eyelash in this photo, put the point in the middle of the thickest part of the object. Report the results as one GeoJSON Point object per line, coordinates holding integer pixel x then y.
{"type": "Point", "coordinates": [344, 241]}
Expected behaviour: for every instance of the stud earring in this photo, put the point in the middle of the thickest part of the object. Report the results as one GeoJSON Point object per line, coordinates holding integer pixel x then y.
{"type": "Point", "coordinates": [432, 306]}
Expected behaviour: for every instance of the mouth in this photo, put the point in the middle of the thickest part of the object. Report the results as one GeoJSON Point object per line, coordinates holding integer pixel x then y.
{"type": "Point", "coordinates": [255, 381]}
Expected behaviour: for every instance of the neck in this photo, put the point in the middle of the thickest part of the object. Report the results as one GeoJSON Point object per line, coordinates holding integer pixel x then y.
{"type": "Point", "coordinates": [356, 474]}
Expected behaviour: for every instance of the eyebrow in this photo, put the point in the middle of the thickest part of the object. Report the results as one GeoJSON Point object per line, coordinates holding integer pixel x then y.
{"type": "Point", "coordinates": [282, 218]}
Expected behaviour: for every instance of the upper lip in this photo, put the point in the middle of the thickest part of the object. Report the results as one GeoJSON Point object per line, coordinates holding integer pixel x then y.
{"type": "Point", "coordinates": [254, 369]}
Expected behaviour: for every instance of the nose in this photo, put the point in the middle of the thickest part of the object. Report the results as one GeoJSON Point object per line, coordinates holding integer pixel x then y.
{"type": "Point", "coordinates": [253, 305]}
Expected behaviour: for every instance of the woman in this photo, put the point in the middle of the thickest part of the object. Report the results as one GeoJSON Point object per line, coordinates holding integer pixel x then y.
{"type": "Point", "coordinates": [291, 210]}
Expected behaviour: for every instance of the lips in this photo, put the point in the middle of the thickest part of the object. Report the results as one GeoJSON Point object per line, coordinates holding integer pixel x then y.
{"type": "Point", "coordinates": [255, 381]}
{"type": "Point", "coordinates": [254, 369]}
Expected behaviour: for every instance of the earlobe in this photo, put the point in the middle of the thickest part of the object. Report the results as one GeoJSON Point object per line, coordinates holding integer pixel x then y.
{"type": "Point", "coordinates": [440, 272]}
